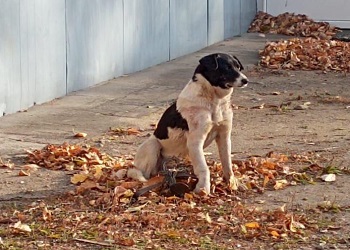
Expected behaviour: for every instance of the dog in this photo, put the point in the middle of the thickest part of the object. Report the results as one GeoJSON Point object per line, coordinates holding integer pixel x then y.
{"type": "Point", "coordinates": [201, 114]}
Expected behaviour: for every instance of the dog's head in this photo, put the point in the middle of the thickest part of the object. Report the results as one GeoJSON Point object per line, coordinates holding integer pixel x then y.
{"type": "Point", "coordinates": [222, 70]}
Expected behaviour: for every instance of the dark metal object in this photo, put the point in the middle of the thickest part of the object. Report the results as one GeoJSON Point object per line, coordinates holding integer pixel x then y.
{"type": "Point", "coordinates": [172, 181]}
{"type": "Point", "coordinates": [342, 35]}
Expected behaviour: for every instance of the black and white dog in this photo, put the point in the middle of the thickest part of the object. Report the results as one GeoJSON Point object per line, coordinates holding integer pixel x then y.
{"type": "Point", "coordinates": [201, 114]}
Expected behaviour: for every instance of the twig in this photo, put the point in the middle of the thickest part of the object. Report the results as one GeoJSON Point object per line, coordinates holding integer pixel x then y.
{"type": "Point", "coordinates": [93, 242]}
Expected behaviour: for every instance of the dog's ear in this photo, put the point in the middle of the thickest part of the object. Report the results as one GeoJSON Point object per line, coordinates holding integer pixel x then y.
{"type": "Point", "coordinates": [210, 61]}
{"type": "Point", "coordinates": [238, 62]}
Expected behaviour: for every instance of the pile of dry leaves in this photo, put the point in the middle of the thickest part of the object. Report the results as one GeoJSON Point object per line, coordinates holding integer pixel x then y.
{"type": "Point", "coordinates": [292, 25]}
{"type": "Point", "coordinates": [105, 175]}
{"type": "Point", "coordinates": [307, 54]}
{"type": "Point", "coordinates": [316, 52]}
{"type": "Point", "coordinates": [103, 209]}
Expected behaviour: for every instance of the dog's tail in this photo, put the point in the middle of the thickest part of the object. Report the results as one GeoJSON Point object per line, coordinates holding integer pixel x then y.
{"type": "Point", "coordinates": [147, 160]}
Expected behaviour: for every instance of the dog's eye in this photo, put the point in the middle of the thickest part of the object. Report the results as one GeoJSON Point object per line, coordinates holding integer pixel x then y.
{"type": "Point", "coordinates": [236, 65]}
{"type": "Point", "coordinates": [228, 67]}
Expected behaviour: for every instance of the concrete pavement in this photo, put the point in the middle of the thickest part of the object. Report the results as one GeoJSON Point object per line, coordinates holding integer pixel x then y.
{"type": "Point", "coordinates": [122, 102]}
{"type": "Point", "coordinates": [119, 102]}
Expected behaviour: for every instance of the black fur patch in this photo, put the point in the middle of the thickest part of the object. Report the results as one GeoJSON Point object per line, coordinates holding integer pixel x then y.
{"type": "Point", "coordinates": [171, 118]}
{"type": "Point", "coordinates": [219, 69]}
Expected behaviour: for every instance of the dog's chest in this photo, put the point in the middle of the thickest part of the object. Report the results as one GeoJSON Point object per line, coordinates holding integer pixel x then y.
{"type": "Point", "coordinates": [218, 115]}
{"type": "Point", "coordinates": [220, 119]}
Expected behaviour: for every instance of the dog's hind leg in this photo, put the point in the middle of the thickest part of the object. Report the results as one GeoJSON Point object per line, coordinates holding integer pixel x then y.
{"type": "Point", "coordinates": [147, 160]}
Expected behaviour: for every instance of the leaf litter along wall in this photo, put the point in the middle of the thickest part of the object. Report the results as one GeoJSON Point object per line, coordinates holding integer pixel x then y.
{"type": "Point", "coordinates": [318, 51]}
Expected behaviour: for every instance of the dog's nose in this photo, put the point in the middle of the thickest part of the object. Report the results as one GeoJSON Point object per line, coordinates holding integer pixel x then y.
{"type": "Point", "coordinates": [245, 81]}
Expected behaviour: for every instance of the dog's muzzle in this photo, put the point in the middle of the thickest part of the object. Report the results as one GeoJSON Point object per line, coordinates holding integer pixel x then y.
{"type": "Point", "coordinates": [241, 84]}
{"type": "Point", "coordinates": [244, 82]}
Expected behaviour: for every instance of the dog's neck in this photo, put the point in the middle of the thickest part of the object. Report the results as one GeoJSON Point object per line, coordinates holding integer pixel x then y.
{"type": "Point", "coordinates": [208, 90]}
{"type": "Point", "coordinates": [202, 94]}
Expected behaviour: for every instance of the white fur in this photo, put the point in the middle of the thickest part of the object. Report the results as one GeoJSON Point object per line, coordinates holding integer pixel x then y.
{"type": "Point", "coordinates": [207, 110]}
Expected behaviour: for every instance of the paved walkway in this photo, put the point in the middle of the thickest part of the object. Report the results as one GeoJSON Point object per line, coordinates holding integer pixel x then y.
{"type": "Point", "coordinates": [126, 101]}
{"type": "Point", "coordinates": [119, 102]}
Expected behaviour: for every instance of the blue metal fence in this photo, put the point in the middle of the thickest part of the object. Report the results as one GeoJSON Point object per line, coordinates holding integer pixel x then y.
{"type": "Point", "coordinates": [51, 48]}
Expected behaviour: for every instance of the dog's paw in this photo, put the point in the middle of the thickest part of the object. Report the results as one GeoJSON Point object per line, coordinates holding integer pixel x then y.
{"type": "Point", "coordinates": [136, 174]}
{"type": "Point", "coordinates": [202, 189]}
{"type": "Point", "coordinates": [233, 183]}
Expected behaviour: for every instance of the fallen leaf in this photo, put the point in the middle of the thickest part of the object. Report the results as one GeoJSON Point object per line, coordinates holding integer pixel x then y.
{"type": "Point", "coordinates": [173, 234]}
{"type": "Point", "coordinates": [280, 184]}
{"type": "Point", "coordinates": [86, 185]}
{"type": "Point", "coordinates": [301, 107]}
{"type": "Point", "coordinates": [23, 173]}
{"type": "Point", "coordinates": [136, 209]}
{"type": "Point", "coordinates": [275, 233]}
{"type": "Point", "coordinates": [154, 180]}
{"type": "Point", "coordinates": [98, 171]}
{"type": "Point", "coordinates": [30, 167]}
{"type": "Point", "coordinates": [295, 225]}
{"type": "Point", "coordinates": [80, 135]}
{"type": "Point", "coordinates": [7, 164]}
{"type": "Point", "coordinates": [78, 178]}
{"type": "Point", "coordinates": [122, 131]}
{"type": "Point", "coordinates": [252, 225]}
{"type": "Point", "coordinates": [119, 190]}
{"type": "Point", "coordinates": [283, 208]}
{"type": "Point", "coordinates": [126, 242]}
{"type": "Point", "coordinates": [208, 218]}
{"type": "Point", "coordinates": [269, 165]}
{"type": "Point", "coordinates": [130, 184]}
{"type": "Point", "coordinates": [328, 177]}
{"type": "Point", "coordinates": [133, 131]}
{"type": "Point", "coordinates": [188, 196]}
{"type": "Point", "coordinates": [21, 227]}
{"type": "Point", "coordinates": [261, 106]}
{"type": "Point", "coordinates": [47, 214]}
{"type": "Point", "coordinates": [266, 180]}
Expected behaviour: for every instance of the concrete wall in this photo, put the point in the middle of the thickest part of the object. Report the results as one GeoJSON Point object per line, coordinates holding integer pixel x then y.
{"type": "Point", "coordinates": [51, 48]}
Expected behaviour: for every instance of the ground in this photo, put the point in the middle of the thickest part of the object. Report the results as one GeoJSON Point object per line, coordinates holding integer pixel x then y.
{"type": "Point", "coordinates": [289, 112]}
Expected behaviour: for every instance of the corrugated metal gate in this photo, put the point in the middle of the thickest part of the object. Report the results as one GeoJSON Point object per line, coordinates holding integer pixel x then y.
{"type": "Point", "coordinates": [50, 48]}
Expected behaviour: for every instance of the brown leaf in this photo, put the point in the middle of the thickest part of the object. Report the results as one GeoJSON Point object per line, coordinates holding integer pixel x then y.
{"type": "Point", "coordinates": [80, 135]}
{"type": "Point", "coordinates": [154, 180]}
{"type": "Point", "coordinates": [23, 173]}
{"type": "Point", "coordinates": [78, 178]}
{"type": "Point", "coordinates": [274, 233]}
{"type": "Point", "coordinates": [252, 225]}
{"type": "Point", "coordinates": [47, 214]}
{"type": "Point", "coordinates": [130, 184]}
{"type": "Point", "coordinates": [280, 184]}
{"type": "Point", "coordinates": [86, 185]}
{"type": "Point", "coordinates": [30, 167]}
{"type": "Point", "coordinates": [7, 164]}
{"type": "Point", "coordinates": [126, 242]}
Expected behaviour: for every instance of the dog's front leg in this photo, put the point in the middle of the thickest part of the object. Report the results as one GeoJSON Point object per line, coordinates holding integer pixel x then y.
{"type": "Point", "coordinates": [195, 143]}
{"type": "Point", "coordinates": [223, 141]}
